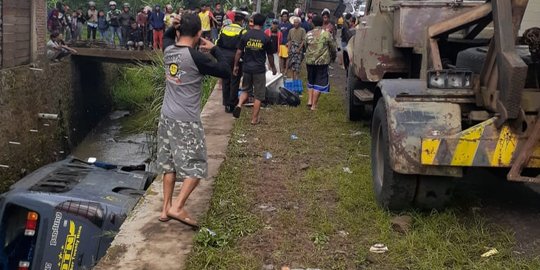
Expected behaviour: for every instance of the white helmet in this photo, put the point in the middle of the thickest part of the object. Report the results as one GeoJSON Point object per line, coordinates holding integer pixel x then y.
{"type": "Point", "coordinates": [92, 4]}
{"type": "Point", "coordinates": [284, 11]}
{"type": "Point", "coordinates": [297, 12]}
{"type": "Point", "coordinates": [112, 3]}
{"type": "Point", "coordinates": [325, 11]}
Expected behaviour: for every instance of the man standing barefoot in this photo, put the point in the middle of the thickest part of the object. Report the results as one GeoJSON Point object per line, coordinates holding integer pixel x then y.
{"type": "Point", "coordinates": [181, 144]}
{"type": "Point", "coordinates": [320, 52]}
{"type": "Point", "coordinates": [255, 46]}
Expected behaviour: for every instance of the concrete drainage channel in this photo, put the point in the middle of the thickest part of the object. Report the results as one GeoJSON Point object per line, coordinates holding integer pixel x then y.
{"type": "Point", "coordinates": [143, 242]}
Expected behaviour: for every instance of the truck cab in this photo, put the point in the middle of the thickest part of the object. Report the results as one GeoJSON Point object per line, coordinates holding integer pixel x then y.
{"type": "Point", "coordinates": [65, 215]}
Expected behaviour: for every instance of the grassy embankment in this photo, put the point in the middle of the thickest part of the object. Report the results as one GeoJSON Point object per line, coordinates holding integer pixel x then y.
{"type": "Point", "coordinates": [140, 90]}
{"type": "Point", "coordinates": [302, 209]}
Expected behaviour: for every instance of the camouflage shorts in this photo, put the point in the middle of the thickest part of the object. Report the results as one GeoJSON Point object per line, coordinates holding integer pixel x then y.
{"type": "Point", "coordinates": [182, 148]}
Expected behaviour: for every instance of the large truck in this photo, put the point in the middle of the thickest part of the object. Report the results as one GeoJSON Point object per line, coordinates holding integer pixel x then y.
{"type": "Point", "coordinates": [448, 85]}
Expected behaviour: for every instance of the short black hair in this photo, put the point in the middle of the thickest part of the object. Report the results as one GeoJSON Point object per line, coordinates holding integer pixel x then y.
{"type": "Point", "coordinates": [54, 34]}
{"type": "Point", "coordinates": [348, 16]}
{"type": "Point", "coordinates": [259, 19]}
{"type": "Point", "coordinates": [317, 20]}
{"type": "Point", "coordinates": [190, 25]}
{"type": "Point", "coordinates": [204, 4]}
{"type": "Point", "coordinates": [218, 3]}
{"type": "Point", "coordinates": [271, 15]}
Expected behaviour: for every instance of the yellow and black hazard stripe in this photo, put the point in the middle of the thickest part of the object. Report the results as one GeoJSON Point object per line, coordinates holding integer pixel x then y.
{"type": "Point", "coordinates": [483, 145]}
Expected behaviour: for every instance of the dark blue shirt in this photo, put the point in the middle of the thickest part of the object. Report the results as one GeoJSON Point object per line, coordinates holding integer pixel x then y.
{"type": "Point", "coordinates": [285, 27]}
{"type": "Point", "coordinates": [156, 20]}
{"type": "Point", "coordinates": [306, 26]}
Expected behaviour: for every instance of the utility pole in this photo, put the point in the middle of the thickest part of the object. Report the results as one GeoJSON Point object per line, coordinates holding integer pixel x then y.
{"type": "Point", "coordinates": [276, 3]}
{"type": "Point", "coordinates": [258, 9]}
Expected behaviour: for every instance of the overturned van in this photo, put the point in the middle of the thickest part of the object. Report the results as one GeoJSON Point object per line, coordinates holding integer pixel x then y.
{"type": "Point", "coordinates": [65, 215]}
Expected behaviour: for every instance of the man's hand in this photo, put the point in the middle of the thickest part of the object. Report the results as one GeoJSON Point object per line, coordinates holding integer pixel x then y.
{"type": "Point", "coordinates": [235, 70]}
{"type": "Point", "coordinates": [206, 44]}
{"type": "Point", "coordinates": [176, 21]}
{"type": "Point", "coordinates": [274, 71]}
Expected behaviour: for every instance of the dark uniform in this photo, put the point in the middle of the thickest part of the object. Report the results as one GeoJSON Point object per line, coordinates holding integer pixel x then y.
{"type": "Point", "coordinates": [228, 40]}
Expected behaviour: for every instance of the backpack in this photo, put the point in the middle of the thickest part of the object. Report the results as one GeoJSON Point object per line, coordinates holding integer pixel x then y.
{"type": "Point", "coordinates": [287, 97]}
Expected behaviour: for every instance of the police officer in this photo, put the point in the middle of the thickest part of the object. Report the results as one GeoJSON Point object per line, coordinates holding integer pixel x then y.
{"type": "Point", "coordinates": [228, 40]}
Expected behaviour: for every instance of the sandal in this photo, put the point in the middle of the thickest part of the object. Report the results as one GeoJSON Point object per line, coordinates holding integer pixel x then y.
{"type": "Point", "coordinates": [186, 220]}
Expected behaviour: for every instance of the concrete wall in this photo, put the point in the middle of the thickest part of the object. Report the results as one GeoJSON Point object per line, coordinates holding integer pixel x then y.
{"type": "Point", "coordinates": [77, 90]}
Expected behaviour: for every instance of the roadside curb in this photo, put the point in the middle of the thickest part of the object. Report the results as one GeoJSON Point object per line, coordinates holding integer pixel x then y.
{"type": "Point", "coordinates": [145, 243]}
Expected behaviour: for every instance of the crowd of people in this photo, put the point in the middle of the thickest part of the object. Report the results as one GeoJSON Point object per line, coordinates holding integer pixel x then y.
{"type": "Point", "coordinates": [245, 49]}
{"type": "Point", "coordinates": [245, 45]}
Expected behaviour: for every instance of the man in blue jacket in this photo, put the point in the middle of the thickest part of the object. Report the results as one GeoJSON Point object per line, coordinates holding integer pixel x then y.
{"type": "Point", "coordinates": [157, 22]}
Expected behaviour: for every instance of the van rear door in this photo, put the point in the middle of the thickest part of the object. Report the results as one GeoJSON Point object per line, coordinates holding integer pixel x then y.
{"type": "Point", "coordinates": [74, 236]}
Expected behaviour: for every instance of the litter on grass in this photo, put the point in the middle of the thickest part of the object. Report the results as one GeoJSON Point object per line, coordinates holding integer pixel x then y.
{"type": "Point", "coordinates": [267, 155]}
{"type": "Point", "coordinates": [294, 137]}
{"type": "Point", "coordinates": [378, 248]}
{"type": "Point", "coordinates": [347, 170]}
{"type": "Point", "coordinates": [490, 253]}
{"type": "Point", "coordinates": [241, 141]}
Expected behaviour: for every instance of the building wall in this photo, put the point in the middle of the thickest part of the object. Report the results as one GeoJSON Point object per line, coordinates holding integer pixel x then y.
{"type": "Point", "coordinates": [23, 30]}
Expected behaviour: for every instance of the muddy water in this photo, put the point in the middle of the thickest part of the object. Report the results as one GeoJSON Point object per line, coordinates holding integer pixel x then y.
{"type": "Point", "coordinates": [109, 144]}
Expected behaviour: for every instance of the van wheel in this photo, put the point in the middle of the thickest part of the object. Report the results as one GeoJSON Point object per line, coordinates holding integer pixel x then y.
{"type": "Point", "coordinates": [356, 111]}
{"type": "Point", "coordinates": [393, 191]}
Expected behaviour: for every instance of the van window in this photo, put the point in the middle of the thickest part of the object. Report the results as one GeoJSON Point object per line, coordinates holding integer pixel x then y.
{"type": "Point", "coordinates": [18, 236]}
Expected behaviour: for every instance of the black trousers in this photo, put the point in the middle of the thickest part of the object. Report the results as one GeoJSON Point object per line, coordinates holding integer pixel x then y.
{"type": "Point", "coordinates": [231, 85]}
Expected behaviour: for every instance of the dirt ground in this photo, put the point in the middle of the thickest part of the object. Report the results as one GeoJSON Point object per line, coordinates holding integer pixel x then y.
{"type": "Point", "coordinates": [311, 204]}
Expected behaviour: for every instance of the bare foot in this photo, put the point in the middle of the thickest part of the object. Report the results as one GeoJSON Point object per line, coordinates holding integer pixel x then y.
{"type": "Point", "coordinates": [184, 217]}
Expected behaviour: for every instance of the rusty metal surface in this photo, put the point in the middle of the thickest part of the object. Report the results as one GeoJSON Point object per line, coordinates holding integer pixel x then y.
{"type": "Point", "coordinates": [410, 22]}
{"type": "Point", "coordinates": [373, 53]}
{"type": "Point", "coordinates": [527, 156]}
{"type": "Point", "coordinates": [483, 145]}
{"type": "Point", "coordinates": [410, 121]}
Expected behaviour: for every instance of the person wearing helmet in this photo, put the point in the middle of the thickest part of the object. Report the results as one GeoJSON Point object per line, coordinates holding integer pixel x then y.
{"type": "Point", "coordinates": [158, 25]}
{"type": "Point", "coordinates": [228, 40]}
{"type": "Point", "coordinates": [169, 15]}
{"type": "Point", "coordinates": [284, 27]}
{"type": "Point", "coordinates": [327, 25]}
{"type": "Point", "coordinates": [126, 18]}
{"type": "Point", "coordinates": [113, 18]}
{"type": "Point", "coordinates": [91, 23]}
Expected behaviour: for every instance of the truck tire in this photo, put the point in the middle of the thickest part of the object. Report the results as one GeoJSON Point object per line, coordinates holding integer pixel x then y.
{"type": "Point", "coordinates": [393, 191]}
{"type": "Point", "coordinates": [355, 110]}
{"type": "Point", "coordinates": [472, 59]}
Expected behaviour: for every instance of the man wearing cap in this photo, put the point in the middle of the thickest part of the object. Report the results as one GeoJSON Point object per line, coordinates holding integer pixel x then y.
{"type": "Point", "coordinates": [92, 20]}
{"type": "Point", "coordinates": [113, 18]}
{"type": "Point", "coordinates": [157, 21]}
{"type": "Point", "coordinates": [284, 27]}
{"type": "Point", "coordinates": [228, 40]}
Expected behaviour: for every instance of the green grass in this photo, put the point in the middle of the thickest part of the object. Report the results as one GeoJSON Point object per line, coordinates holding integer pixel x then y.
{"type": "Point", "coordinates": [327, 218]}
